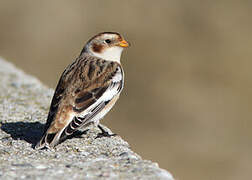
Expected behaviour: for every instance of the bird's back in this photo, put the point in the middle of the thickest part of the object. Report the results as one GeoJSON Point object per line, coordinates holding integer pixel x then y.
{"type": "Point", "coordinates": [81, 85]}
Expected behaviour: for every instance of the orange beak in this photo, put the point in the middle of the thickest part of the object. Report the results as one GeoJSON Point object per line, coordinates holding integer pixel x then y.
{"type": "Point", "coordinates": [123, 43]}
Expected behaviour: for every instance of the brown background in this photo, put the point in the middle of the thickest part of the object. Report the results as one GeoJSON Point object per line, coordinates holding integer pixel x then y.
{"type": "Point", "coordinates": [187, 97]}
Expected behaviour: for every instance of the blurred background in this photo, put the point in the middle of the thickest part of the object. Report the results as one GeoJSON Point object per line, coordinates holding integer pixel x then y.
{"type": "Point", "coordinates": [188, 91]}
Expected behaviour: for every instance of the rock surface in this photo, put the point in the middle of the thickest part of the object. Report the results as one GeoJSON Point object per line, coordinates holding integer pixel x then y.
{"type": "Point", "coordinates": [24, 104]}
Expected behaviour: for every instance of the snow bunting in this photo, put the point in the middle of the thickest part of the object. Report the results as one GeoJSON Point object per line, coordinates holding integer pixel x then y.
{"type": "Point", "coordinates": [87, 89]}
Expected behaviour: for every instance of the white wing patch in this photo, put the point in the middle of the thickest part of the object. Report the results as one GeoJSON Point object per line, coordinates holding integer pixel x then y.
{"type": "Point", "coordinates": [112, 91]}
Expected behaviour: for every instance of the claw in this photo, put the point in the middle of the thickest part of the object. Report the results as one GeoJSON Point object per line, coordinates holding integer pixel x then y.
{"type": "Point", "coordinates": [103, 133]}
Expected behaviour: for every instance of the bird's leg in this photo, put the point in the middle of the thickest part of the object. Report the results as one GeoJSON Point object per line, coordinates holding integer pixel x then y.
{"type": "Point", "coordinates": [103, 133]}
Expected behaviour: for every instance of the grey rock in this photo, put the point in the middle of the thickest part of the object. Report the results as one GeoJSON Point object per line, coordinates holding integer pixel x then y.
{"type": "Point", "coordinates": [24, 104]}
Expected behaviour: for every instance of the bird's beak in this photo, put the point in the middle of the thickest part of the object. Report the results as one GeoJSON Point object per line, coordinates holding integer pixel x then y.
{"type": "Point", "coordinates": [123, 43]}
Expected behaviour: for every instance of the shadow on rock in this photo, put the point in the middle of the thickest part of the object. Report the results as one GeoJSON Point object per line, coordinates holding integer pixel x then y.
{"type": "Point", "coordinates": [31, 132]}
{"type": "Point", "coordinates": [27, 131]}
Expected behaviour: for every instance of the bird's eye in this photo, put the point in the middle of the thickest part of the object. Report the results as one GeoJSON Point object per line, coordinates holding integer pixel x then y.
{"type": "Point", "coordinates": [108, 41]}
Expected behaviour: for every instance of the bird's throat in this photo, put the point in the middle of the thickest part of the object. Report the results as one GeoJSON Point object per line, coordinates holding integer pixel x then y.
{"type": "Point", "coordinates": [110, 54]}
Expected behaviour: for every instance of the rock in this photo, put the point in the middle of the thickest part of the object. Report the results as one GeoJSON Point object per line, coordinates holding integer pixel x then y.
{"type": "Point", "coordinates": [24, 104]}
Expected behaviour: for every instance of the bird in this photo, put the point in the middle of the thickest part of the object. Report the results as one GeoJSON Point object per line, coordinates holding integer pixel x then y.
{"type": "Point", "coordinates": [87, 89]}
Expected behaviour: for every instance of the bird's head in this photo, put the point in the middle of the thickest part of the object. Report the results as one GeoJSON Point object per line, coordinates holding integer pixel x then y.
{"type": "Point", "coordinates": [106, 45]}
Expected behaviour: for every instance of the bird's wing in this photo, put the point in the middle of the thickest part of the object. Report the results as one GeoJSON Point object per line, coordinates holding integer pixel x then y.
{"type": "Point", "coordinates": [84, 90]}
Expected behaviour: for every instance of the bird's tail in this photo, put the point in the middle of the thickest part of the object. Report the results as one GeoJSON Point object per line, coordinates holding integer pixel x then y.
{"type": "Point", "coordinates": [49, 140]}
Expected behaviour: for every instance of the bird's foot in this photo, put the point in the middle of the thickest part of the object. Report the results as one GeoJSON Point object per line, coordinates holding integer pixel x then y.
{"type": "Point", "coordinates": [103, 133]}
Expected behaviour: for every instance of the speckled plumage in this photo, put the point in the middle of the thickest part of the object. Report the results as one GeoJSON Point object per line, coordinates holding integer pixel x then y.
{"type": "Point", "coordinates": [86, 91]}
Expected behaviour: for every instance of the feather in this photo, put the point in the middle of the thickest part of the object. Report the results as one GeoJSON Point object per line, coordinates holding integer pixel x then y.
{"type": "Point", "coordinates": [84, 90]}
